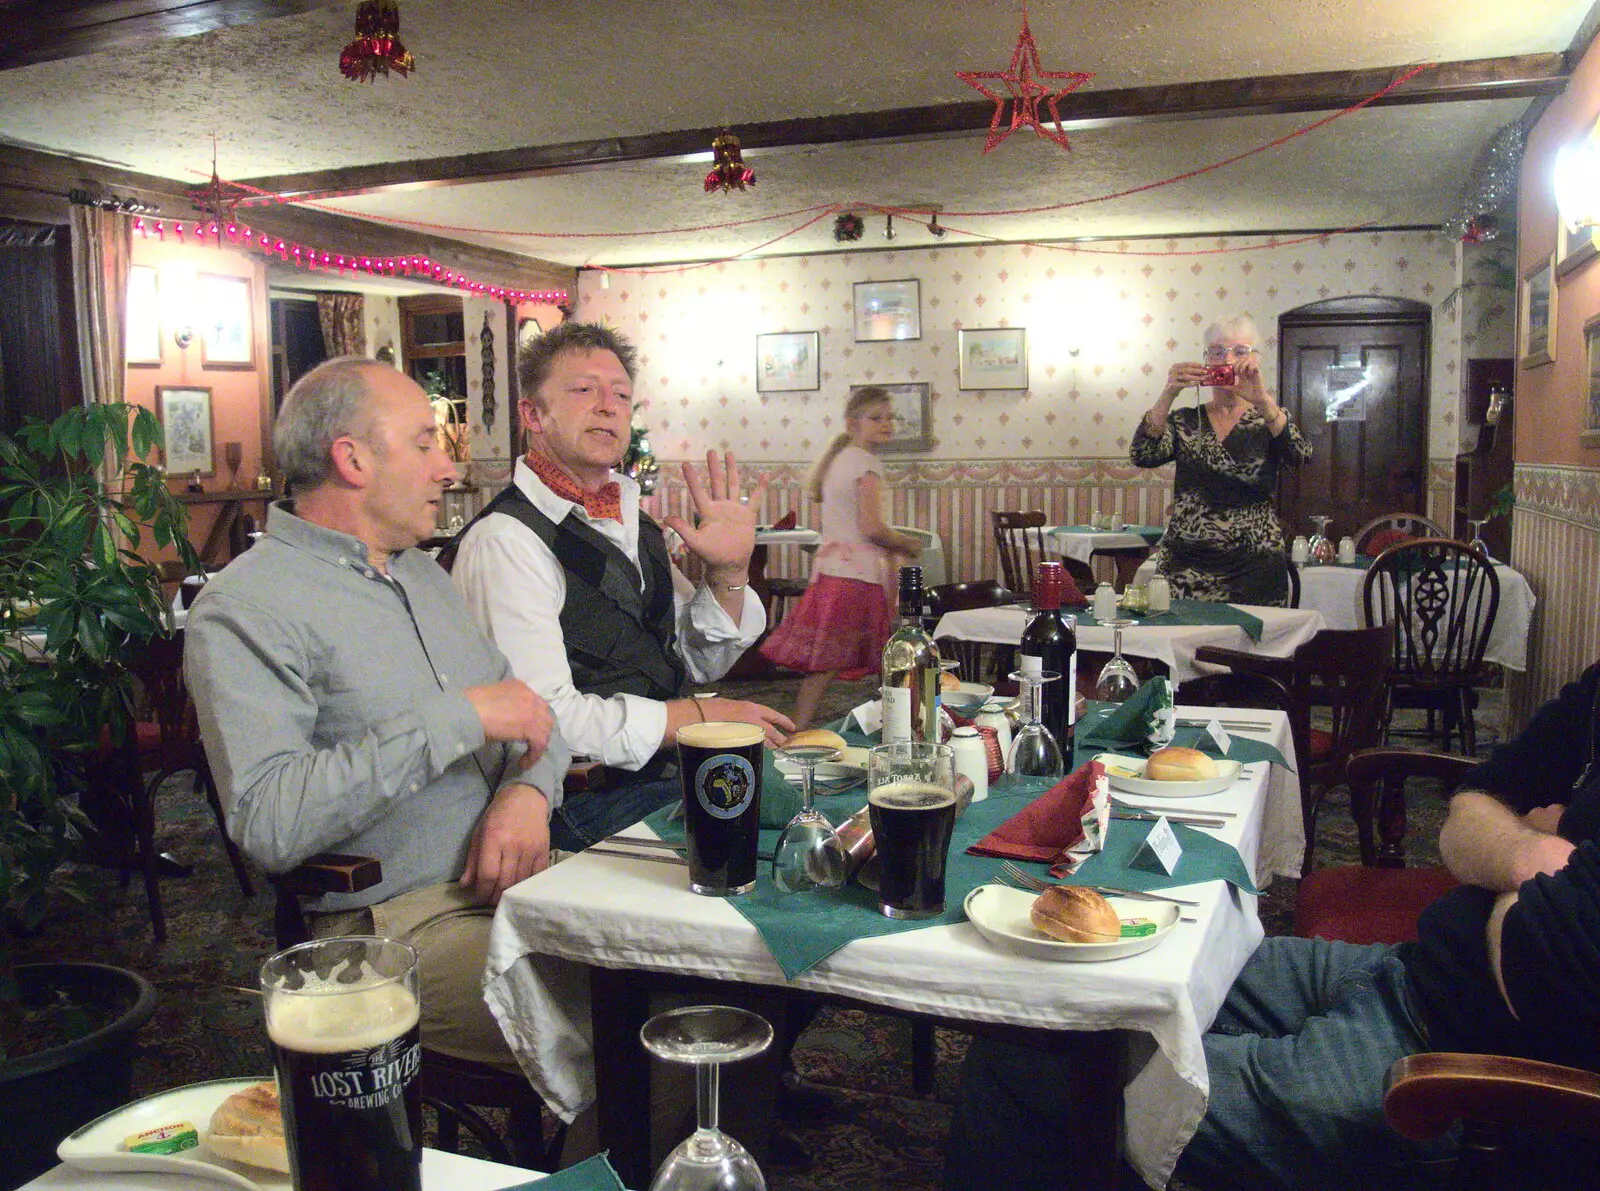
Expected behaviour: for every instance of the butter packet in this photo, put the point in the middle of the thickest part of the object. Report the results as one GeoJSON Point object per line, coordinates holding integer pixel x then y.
{"type": "Point", "coordinates": [1097, 815]}
{"type": "Point", "coordinates": [164, 1139]}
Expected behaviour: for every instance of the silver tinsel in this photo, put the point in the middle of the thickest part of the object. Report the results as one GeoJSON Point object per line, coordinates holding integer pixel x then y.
{"type": "Point", "coordinates": [1491, 184]}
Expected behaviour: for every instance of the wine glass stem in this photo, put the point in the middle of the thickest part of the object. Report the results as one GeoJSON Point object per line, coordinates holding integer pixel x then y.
{"type": "Point", "coordinates": [806, 772]}
{"type": "Point", "coordinates": [707, 1078]}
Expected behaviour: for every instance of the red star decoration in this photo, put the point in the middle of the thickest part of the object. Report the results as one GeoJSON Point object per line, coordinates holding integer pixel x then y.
{"type": "Point", "coordinates": [1024, 92]}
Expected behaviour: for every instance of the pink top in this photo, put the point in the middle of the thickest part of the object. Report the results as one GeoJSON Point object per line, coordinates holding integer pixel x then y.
{"type": "Point", "coordinates": [845, 551]}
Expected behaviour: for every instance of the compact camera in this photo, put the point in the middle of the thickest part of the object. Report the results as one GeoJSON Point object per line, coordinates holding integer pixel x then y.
{"type": "Point", "coordinates": [1221, 375]}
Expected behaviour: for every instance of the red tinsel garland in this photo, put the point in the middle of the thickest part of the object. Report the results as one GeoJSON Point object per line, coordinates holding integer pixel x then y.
{"type": "Point", "coordinates": [377, 48]}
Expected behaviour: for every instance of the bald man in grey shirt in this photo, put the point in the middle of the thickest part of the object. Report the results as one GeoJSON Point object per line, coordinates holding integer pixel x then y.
{"type": "Point", "coordinates": [348, 703]}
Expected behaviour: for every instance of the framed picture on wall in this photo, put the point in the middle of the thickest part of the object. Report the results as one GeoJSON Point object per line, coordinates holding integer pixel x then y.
{"type": "Point", "coordinates": [227, 338]}
{"type": "Point", "coordinates": [528, 331]}
{"type": "Point", "coordinates": [1574, 249]}
{"type": "Point", "coordinates": [141, 332]}
{"type": "Point", "coordinates": [888, 310]}
{"type": "Point", "coordinates": [187, 444]}
{"type": "Point", "coordinates": [993, 358]}
{"type": "Point", "coordinates": [1591, 352]}
{"type": "Point", "coordinates": [1536, 316]}
{"type": "Point", "coordinates": [786, 361]}
{"type": "Point", "coordinates": [913, 422]}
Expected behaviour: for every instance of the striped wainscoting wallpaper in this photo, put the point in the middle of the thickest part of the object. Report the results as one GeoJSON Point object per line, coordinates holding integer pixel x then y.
{"type": "Point", "coordinates": [954, 497]}
{"type": "Point", "coordinates": [1555, 542]}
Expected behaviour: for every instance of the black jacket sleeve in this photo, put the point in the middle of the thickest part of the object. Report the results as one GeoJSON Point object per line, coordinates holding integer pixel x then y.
{"type": "Point", "coordinates": [1543, 763]}
{"type": "Point", "coordinates": [1550, 959]}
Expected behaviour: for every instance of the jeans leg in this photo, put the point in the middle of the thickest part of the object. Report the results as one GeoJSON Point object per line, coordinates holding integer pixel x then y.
{"type": "Point", "coordinates": [1015, 1106]}
{"type": "Point", "coordinates": [588, 816]}
{"type": "Point", "coordinates": [1287, 981]}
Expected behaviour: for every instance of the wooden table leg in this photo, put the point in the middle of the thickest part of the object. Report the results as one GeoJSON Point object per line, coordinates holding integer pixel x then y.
{"type": "Point", "coordinates": [619, 1003]}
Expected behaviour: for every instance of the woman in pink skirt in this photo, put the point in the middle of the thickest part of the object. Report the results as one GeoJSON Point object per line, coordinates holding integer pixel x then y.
{"type": "Point", "coordinates": [841, 623]}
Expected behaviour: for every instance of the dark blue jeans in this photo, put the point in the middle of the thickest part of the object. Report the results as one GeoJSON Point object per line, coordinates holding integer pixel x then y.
{"type": "Point", "coordinates": [587, 816]}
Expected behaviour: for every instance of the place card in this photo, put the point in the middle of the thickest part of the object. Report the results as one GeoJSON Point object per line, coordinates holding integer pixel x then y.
{"type": "Point", "coordinates": [1097, 816]}
{"type": "Point", "coordinates": [1160, 851]}
{"type": "Point", "coordinates": [1220, 735]}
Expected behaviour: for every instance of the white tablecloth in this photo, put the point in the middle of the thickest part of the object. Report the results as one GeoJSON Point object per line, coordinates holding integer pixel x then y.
{"type": "Point", "coordinates": [622, 913]}
{"type": "Point", "coordinates": [1082, 545]}
{"type": "Point", "coordinates": [440, 1172]}
{"type": "Point", "coordinates": [1283, 630]}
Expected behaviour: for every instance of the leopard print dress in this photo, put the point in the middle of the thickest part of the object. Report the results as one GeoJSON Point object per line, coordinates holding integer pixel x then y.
{"type": "Point", "coordinates": [1223, 542]}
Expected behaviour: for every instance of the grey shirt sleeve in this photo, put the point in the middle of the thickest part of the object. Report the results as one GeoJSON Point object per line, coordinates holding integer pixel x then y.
{"type": "Point", "coordinates": [286, 798]}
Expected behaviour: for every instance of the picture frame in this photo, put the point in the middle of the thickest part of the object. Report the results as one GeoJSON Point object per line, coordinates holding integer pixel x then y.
{"type": "Point", "coordinates": [227, 338]}
{"type": "Point", "coordinates": [141, 327]}
{"type": "Point", "coordinates": [913, 421]}
{"type": "Point", "coordinates": [528, 331]}
{"type": "Point", "coordinates": [188, 433]}
{"type": "Point", "coordinates": [1536, 315]}
{"type": "Point", "coordinates": [886, 311]}
{"type": "Point", "coordinates": [1574, 249]}
{"type": "Point", "coordinates": [788, 362]}
{"type": "Point", "coordinates": [993, 357]}
{"type": "Point", "coordinates": [1591, 353]}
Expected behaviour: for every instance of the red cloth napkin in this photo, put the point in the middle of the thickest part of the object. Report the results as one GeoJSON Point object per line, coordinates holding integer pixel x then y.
{"type": "Point", "coordinates": [1071, 597]}
{"type": "Point", "coordinates": [1044, 829]}
{"type": "Point", "coordinates": [787, 521]}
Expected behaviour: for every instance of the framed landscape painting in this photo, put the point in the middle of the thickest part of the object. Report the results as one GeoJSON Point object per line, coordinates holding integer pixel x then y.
{"type": "Point", "coordinates": [887, 310]}
{"type": "Point", "coordinates": [787, 361]}
{"type": "Point", "coordinates": [227, 339]}
{"type": "Point", "coordinates": [1574, 248]}
{"type": "Point", "coordinates": [913, 429]}
{"type": "Point", "coordinates": [186, 430]}
{"type": "Point", "coordinates": [993, 358]}
{"type": "Point", "coordinates": [1536, 316]}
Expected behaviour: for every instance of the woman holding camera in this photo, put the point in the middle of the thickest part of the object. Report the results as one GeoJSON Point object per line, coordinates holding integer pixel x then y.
{"type": "Point", "coordinates": [1222, 542]}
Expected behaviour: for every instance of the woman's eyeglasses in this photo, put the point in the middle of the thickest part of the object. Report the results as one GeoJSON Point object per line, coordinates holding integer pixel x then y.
{"type": "Point", "coordinates": [1220, 352]}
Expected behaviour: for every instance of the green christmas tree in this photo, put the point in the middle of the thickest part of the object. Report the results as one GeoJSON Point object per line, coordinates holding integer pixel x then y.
{"type": "Point", "coordinates": [639, 461]}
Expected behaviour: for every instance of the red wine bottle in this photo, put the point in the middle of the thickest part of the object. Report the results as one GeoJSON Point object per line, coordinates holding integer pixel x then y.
{"type": "Point", "coordinates": [1050, 642]}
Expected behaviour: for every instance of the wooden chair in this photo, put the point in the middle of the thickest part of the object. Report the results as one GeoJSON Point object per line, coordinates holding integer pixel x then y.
{"type": "Point", "coordinates": [1237, 689]}
{"type": "Point", "coordinates": [1343, 670]}
{"type": "Point", "coordinates": [1395, 527]}
{"type": "Point", "coordinates": [1019, 539]}
{"type": "Point", "coordinates": [979, 661]}
{"type": "Point", "coordinates": [454, 1088]}
{"type": "Point", "coordinates": [1442, 597]}
{"type": "Point", "coordinates": [1493, 1096]}
{"type": "Point", "coordinates": [1294, 580]}
{"type": "Point", "coordinates": [1380, 899]}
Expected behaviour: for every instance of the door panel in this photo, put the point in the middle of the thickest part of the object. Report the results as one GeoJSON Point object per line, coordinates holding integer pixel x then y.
{"type": "Point", "coordinates": [1358, 393]}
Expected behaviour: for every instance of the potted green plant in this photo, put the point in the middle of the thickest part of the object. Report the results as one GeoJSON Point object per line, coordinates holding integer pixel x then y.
{"type": "Point", "coordinates": [78, 598]}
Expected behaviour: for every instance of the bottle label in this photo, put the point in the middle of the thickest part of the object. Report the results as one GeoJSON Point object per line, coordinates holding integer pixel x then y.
{"type": "Point", "coordinates": [896, 714]}
{"type": "Point", "coordinates": [1070, 678]}
{"type": "Point", "coordinates": [1030, 663]}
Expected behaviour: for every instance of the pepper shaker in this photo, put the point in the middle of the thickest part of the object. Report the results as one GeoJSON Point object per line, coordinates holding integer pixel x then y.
{"type": "Point", "coordinates": [971, 760]}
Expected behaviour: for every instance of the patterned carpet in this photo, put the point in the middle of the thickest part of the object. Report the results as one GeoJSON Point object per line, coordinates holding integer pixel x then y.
{"type": "Point", "coordinates": [881, 1136]}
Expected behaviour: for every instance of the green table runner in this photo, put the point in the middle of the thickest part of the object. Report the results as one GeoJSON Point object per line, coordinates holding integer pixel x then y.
{"type": "Point", "coordinates": [592, 1174]}
{"type": "Point", "coordinates": [1150, 533]}
{"type": "Point", "coordinates": [1125, 727]}
{"type": "Point", "coordinates": [1188, 612]}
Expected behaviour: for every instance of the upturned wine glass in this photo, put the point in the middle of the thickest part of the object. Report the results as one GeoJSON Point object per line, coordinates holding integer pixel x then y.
{"type": "Point", "coordinates": [1321, 547]}
{"type": "Point", "coordinates": [1477, 543]}
{"type": "Point", "coordinates": [809, 853]}
{"type": "Point", "coordinates": [1117, 679]}
{"type": "Point", "coordinates": [707, 1036]}
{"type": "Point", "coordinates": [1034, 752]}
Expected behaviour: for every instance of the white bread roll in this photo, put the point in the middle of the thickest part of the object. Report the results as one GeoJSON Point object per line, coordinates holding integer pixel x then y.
{"type": "Point", "coordinates": [816, 738]}
{"type": "Point", "coordinates": [248, 1127]}
{"type": "Point", "coordinates": [1180, 765]}
{"type": "Point", "coordinates": [1075, 915]}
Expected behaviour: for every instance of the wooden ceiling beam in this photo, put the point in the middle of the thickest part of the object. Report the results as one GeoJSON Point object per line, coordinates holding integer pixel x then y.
{"type": "Point", "coordinates": [1449, 82]}
{"type": "Point", "coordinates": [47, 30]}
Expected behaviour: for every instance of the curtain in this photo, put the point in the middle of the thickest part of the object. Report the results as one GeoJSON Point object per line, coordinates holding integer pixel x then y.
{"type": "Point", "coordinates": [101, 246]}
{"type": "Point", "coordinates": [343, 332]}
{"type": "Point", "coordinates": [34, 380]}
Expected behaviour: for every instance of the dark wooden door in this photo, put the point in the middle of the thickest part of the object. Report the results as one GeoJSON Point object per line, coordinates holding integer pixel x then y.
{"type": "Point", "coordinates": [1358, 392]}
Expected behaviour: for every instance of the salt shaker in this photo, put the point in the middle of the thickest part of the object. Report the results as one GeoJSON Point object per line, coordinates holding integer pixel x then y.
{"type": "Point", "coordinates": [993, 715]}
{"type": "Point", "coordinates": [1347, 550]}
{"type": "Point", "coordinates": [1105, 604]}
{"type": "Point", "coordinates": [1300, 551]}
{"type": "Point", "coordinates": [1159, 593]}
{"type": "Point", "coordinates": [971, 760]}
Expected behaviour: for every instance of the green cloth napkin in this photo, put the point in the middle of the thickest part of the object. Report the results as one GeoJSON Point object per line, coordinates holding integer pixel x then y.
{"type": "Point", "coordinates": [802, 929]}
{"type": "Point", "coordinates": [1128, 724]}
{"type": "Point", "coordinates": [1150, 533]}
{"type": "Point", "coordinates": [592, 1174]}
{"type": "Point", "coordinates": [1205, 858]}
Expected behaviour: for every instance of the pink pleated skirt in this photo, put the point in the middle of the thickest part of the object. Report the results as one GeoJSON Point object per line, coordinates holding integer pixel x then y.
{"type": "Point", "coordinates": [839, 624]}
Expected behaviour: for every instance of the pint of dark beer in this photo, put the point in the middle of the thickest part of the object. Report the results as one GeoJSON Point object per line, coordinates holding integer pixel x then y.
{"type": "Point", "coordinates": [342, 1017]}
{"type": "Point", "coordinates": [720, 764]}
{"type": "Point", "coordinates": [912, 803]}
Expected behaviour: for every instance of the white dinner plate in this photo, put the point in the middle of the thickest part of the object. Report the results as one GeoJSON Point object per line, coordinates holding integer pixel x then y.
{"type": "Point", "coordinates": [1001, 916]}
{"type": "Point", "coordinates": [831, 777]}
{"type": "Point", "coordinates": [1227, 774]}
{"type": "Point", "coordinates": [98, 1145]}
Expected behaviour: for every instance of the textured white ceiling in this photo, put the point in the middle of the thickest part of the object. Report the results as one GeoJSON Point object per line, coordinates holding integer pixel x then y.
{"type": "Point", "coordinates": [496, 74]}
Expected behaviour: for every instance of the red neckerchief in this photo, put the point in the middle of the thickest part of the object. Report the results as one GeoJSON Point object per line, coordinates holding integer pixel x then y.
{"type": "Point", "coordinates": [602, 504]}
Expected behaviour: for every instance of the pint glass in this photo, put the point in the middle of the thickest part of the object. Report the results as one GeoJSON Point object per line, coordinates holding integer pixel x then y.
{"type": "Point", "coordinates": [720, 764]}
{"type": "Point", "coordinates": [342, 1017]}
{"type": "Point", "coordinates": [911, 799]}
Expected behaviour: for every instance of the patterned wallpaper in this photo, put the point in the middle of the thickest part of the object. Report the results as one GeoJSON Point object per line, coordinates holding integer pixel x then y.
{"type": "Point", "coordinates": [1102, 331]}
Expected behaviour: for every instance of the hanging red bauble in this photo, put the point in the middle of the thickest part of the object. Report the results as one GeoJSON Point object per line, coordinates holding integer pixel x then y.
{"type": "Point", "coordinates": [728, 169]}
{"type": "Point", "coordinates": [1024, 92]}
{"type": "Point", "coordinates": [377, 48]}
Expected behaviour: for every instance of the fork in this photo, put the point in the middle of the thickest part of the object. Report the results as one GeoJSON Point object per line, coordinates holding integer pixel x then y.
{"type": "Point", "coordinates": [1005, 879]}
{"type": "Point", "coordinates": [1039, 885]}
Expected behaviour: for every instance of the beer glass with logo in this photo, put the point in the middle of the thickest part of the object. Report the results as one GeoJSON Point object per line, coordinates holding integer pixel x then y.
{"type": "Point", "coordinates": [911, 799]}
{"type": "Point", "coordinates": [720, 766]}
{"type": "Point", "coordinates": [342, 1017]}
